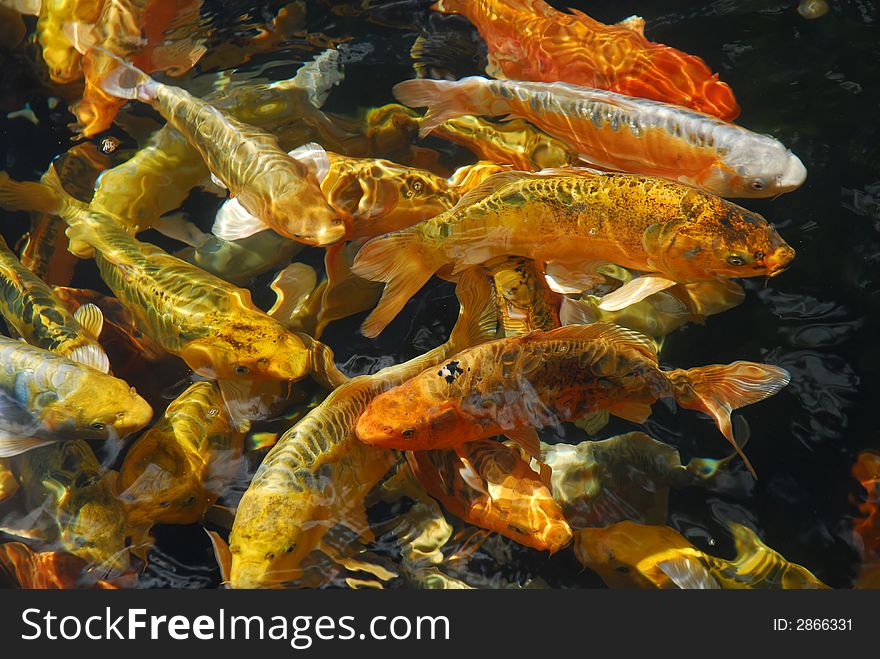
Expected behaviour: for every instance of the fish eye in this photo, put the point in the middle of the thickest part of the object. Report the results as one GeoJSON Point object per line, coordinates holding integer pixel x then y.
{"type": "Point", "coordinates": [623, 569]}
{"type": "Point", "coordinates": [190, 501]}
{"type": "Point", "coordinates": [759, 256]}
{"type": "Point", "coordinates": [417, 186]}
{"type": "Point", "coordinates": [288, 549]}
{"type": "Point", "coordinates": [242, 370]}
{"type": "Point", "coordinates": [270, 556]}
{"type": "Point", "coordinates": [97, 426]}
{"type": "Point", "coordinates": [79, 541]}
{"type": "Point", "coordinates": [164, 504]}
{"type": "Point", "coordinates": [736, 260]}
{"type": "Point", "coordinates": [758, 184]}
{"type": "Point", "coordinates": [409, 432]}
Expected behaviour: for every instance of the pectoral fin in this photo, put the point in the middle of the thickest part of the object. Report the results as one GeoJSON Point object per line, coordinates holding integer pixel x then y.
{"type": "Point", "coordinates": [528, 439]}
{"type": "Point", "coordinates": [221, 554]}
{"type": "Point", "coordinates": [11, 446]}
{"type": "Point", "coordinates": [91, 319]}
{"type": "Point", "coordinates": [313, 157]}
{"type": "Point", "coordinates": [631, 411]}
{"type": "Point", "coordinates": [635, 291]}
{"type": "Point", "coordinates": [687, 573]}
{"type": "Point", "coordinates": [292, 287]}
{"type": "Point", "coordinates": [91, 355]}
{"type": "Point", "coordinates": [233, 222]}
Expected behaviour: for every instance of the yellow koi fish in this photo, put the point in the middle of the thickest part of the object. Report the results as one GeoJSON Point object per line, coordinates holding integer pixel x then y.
{"type": "Point", "coordinates": [211, 324]}
{"type": "Point", "coordinates": [318, 474]}
{"type": "Point", "coordinates": [629, 555]}
{"type": "Point", "coordinates": [31, 308]}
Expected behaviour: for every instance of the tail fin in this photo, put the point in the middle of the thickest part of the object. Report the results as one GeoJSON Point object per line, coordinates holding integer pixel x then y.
{"type": "Point", "coordinates": [401, 261]}
{"type": "Point", "coordinates": [319, 76]}
{"type": "Point", "coordinates": [28, 196]}
{"type": "Point", "coordinates": [443, 98]}
{"type": "Point", "coordinates": [478, 317]}
{"type": "Point", "coordinates": [717, 390]}
{"type": "Point", "coordinates": [125, 80]}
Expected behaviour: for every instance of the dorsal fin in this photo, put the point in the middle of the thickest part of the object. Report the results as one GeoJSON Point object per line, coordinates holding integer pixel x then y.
{"type": "Point", "coordinates": [604, 332]}
{"type": "Point", "coordinates": [490, 185]}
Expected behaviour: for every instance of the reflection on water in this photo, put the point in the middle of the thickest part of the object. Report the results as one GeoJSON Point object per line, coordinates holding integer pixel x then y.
{"type": "Point", "coordinates": [810, 83]}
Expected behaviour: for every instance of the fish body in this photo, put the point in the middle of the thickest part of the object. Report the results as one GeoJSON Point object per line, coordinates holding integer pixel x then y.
{"type": "Point", "coordinates": [576, 219]}
{"type": "Point", "coordinates": [623, 133]}
{"type": "Point", "coordinates": [530, 40]}
{"type": "Point", "coordinates": [281, 191]}
{"type": "Point", "coordinates": [544, 378]}
{"type": "Point", "coordinates": [179, 467]}
{"type": "Point", "coordinates": [628, 555]}
{"type": "Point", "coordinates": [488, 484]}
{"type": "Point", "coordinates": [209, 323]}
{"type": "Point", "coordinates": [45, 252]}
{"type": "Point", "coordinates": [45, 397]}
{"type": "Point", "coordinates": [30, 306]}
{"type": "Point", "coordinates": [318, 474]}
{"type": "Point", "coordinates": [514, 142]}
{"type": "Point", "coordinates": [66, 482]}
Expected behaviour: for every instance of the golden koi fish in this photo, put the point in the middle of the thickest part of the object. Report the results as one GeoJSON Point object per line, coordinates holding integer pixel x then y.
{"type": "Point", "coordinates": [672, 232]}
{"type": "Point", "coordinates": [66, 484]}
{"type": "Point", "coordinates": [623, 133]}
{"type": "Point", "coordinates": [629, 555]}
{"type": "Point", "coordinates": [47, 398]}
{"type": "Point", "coordinates": [31, 308]}
{"type": "Point", "coordinates": [177, 469]}
{"type": "Point", "coordinates": [510, 385]}
{"type": "Point", "coordinates": [281, 191]}
{"type": "Point", "coordinates": [211, 324]}
{"type": "Point", "coordinates": [318, 474]}
{"type": "Point", "coordinates": [488, 484]}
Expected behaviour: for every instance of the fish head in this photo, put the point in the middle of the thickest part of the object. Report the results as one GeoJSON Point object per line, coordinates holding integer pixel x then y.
{"type": "Point", "coordinates": [305, 216]}
{"type": "Point", "coordinates": [402, 418]}
{"type": "Point", "coordinates": [158, 482]}
{"type": "Point", "coordinates": [103, 408]}
{"type": "Point", "coordinates": [756, 168]}
{"type": "Point", "coordinates": [716, 239]}
{"type": "Point", "coordinates": [249, 349]}
{"type": "Point", "coordinates": [92, 526]}
{"type": "Point", "coordinates": [274, 530]}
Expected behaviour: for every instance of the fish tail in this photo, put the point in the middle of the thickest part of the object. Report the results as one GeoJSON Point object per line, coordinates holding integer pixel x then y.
{"type": "Point", "coordinates": [717, 390]}
{"type": "Point", "coordinates": [318, 76]}
{"type": "Point", "coordinates": [404, 263]}
{"type": "Point", "coordinates": [478, 317]}
{"type": "Point", "coordinates": [125, 80]}
{"type": "Point", "coordinates": [444, 99]}
{"type": "Point", "coordinates": [28, 196]}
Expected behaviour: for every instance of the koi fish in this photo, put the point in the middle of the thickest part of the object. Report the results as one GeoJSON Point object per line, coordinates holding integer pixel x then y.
{"type": "Point", "coordinates": [515, 142]}
{"type": "Point", "coordinates": [47, 398]}
{"type": "Point", "coordinates": [617, 132]}
{"type": "Point", "coordinates": [318, 474]}
{"type": "Point", "coordinates": [47, 570]}
{"type": "Point", "coordinates": [530, 40]}
{"type": "Point", "coordinates": [488, 484]}
{"type": "Point", "coordinates": [30, 307]}
{"type": "Point", "coordinates": [281, 191]}
{"type": "Point", "coordinates": [141, 206]}
{"type": "Point", "coordinates": [65, 485]}
{"type": "Point", "coordinates": [177, 469]}
{"type": "Point", "coordinates": [577, 218]}
{"type": "Point", "coordinates": [209, 323]}
{"type": "Point", "coordinates": [509, 385]}
{"type": "Point", "coordinates": [628, 555]}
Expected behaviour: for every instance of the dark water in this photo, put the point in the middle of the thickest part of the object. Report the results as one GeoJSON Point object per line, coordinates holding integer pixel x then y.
{"type": "Point", "coordinates": [813, 84]}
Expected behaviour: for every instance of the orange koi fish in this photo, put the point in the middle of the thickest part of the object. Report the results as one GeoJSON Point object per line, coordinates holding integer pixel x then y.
{"type": "Point", "coordinates": [622, 133]}
{"type": "Point", "coordinates": [509, 385]}
{"type": "Point", "coordinates": [530, 40]}
{"type": "Point", "coordinates": [134, 30]}
{"type": "Point", "coordinates": [488, 484]}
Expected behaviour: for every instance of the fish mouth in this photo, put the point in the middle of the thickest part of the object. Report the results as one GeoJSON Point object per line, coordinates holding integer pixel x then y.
{"type": "Point", "coordinates": [794, 175]}
{"type": "Point", "coordinates": [779, 261]}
